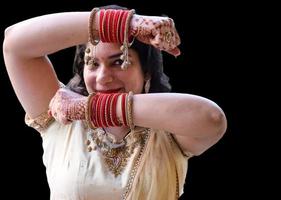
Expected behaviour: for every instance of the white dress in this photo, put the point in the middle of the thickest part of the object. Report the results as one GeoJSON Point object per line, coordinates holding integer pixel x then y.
{"type": "Point", "coordinates": [104, 173]}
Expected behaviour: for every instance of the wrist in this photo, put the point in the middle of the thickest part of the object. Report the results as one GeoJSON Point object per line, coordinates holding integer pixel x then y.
{"type": "Point", "coordinates": [134, 25]}
{"type": "Point", "coordinates": [76, 109]}
{"type": "Point", "coordinates": [104, 110]}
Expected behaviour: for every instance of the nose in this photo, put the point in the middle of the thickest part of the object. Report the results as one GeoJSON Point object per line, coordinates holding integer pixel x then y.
{"type": "Point", "coordinates": [104, 75]}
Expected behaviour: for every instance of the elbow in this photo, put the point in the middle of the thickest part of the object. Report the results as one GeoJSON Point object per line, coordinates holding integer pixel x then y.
{"type": "Point", "coordinates": [7, 31]}
{"type": "Point", "coordinates": [218, 120]}
{"type": "Point", "coordinates": [217, 127]}
{"type": "Point", "coordinates": [9, 43]}
{"type": "Point", "coordinates": [6, 43]}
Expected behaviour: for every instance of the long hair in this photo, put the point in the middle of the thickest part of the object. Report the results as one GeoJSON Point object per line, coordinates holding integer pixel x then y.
{"type": "Point", "coordinates": [162, 171]}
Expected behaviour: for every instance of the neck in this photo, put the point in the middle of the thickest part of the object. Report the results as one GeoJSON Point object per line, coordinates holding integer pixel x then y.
{"type": "Point", "coordinates": [118, 132]}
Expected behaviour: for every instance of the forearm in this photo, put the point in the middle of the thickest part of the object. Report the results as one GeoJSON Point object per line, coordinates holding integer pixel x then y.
{"type": "Point", "coordinates": [181, 114]}
{"type": "Point", "coordinates": [47, 34]}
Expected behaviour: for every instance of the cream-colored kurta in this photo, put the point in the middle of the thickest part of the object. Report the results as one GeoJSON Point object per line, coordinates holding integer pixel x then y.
{"type": "Point", "coordinates": [74, 173]}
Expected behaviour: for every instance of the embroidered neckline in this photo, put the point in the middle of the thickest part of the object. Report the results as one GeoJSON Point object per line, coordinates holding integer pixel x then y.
{"type": "Point", "coordinates": [115, 153]}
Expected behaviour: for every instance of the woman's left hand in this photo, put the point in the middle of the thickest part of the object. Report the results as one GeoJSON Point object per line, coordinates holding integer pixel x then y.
{"type": "Point", "coordinates": [159, 32]}
{"type": "Point", "coordinates": [67, 106]}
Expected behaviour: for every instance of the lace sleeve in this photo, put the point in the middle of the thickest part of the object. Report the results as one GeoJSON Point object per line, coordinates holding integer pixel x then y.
{"type": "Point", "coordinates": [39, 123]}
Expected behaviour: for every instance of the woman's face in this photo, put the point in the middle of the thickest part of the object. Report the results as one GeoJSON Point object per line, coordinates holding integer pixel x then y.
{"type": "Point", "coordinates": [105, 74]}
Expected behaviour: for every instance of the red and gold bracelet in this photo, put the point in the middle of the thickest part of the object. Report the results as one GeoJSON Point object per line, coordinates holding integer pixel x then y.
{"type": "Point", "coordinates": [101, 110]}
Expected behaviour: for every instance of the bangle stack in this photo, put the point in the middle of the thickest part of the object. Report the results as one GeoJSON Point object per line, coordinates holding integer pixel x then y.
{"type": "Point", "coordinates": [101, 110]}
{"type": "Point", "coordinates": [114, 27]}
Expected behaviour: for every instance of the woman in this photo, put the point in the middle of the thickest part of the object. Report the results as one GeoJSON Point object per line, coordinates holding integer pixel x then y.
{"type": "Point", "coordinates": [138, 136]}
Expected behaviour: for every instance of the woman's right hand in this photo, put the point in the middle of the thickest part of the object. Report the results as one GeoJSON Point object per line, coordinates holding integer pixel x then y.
{"type": "Point", "coordinates": [159, 32]}
{"type": "Point", "coordinates": [67, 106]}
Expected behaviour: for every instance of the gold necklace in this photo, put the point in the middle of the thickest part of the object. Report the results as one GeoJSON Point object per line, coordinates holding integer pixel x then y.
{"type": "Point", "coordinates": [115, 153]}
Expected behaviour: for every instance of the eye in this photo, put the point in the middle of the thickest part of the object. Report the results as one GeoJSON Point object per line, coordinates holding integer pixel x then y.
{"type": "Point", "coordinates": [117, 62]}
{"type": "Point", "coordinates": [93, 64]}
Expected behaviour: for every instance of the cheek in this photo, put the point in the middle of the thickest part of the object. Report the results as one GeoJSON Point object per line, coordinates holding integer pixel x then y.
{"type": "Point", "coordinates": [89, 80]}
{"type": "Point", "coordinates": [135, 83]}
{"type": "Point", "coordinates": [140, 85]}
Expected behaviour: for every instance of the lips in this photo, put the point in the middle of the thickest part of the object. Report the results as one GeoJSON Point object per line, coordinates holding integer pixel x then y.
{"type": "Point", "coordinates": [110, 91]}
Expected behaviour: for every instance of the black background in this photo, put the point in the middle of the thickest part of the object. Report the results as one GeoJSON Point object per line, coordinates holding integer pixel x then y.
{"type": "Point", "coordinates": [216, 62]}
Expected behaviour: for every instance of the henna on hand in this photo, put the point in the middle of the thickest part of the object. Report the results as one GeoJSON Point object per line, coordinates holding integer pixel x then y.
{"type": "Point", "coordinates": [157, 31]}
{"type": "Point", "coordinates": [67, 106]}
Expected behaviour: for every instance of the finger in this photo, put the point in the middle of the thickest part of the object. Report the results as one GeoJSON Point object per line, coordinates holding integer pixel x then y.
{"type": "Point", "coordinates": [171, 22]}
{"type": "Point", "coordinates": [175, 52]}
{"type": "Point", "coordinates": [65, 121]}
{"type": "Point", "coordinates": [155, 41]}
{"type": "Point", "coordinates": [50, 113]}
{"type": "Point", "coordinates": [51, 103]}
{"type": "Point", "coordinates": [155, 32]}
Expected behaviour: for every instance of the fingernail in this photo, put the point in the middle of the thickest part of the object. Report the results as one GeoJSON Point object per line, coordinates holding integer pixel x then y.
{"type": "Point", "coordinates": [50, 113]}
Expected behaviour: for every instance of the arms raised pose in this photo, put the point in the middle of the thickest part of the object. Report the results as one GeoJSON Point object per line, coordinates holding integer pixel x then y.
{"type": "Point", "coordinates": [137, 133]}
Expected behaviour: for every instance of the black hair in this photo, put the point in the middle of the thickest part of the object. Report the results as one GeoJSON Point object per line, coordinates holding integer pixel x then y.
{"type": "Point", "coordinates": [151, 60]}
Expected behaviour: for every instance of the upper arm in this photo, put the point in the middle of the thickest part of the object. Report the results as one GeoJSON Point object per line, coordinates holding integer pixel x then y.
{"type": "Point", "coordinates": [205, 130]}
{"type": "Point", "coordinates": [34, 81]}
{"type": "Point", "coordinates": [191, 145]}
{"type": "Point", "coordinates": [198, 144]}
{"type": "Point", "coordinates": [25, 48]}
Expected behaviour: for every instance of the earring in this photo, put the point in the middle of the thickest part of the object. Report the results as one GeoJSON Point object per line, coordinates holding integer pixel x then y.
{"type": "Point", "coordinates": [147, 86]}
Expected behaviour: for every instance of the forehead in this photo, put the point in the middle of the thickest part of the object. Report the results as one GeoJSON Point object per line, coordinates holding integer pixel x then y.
{"type": "Point", "coordinates": [105, 50]}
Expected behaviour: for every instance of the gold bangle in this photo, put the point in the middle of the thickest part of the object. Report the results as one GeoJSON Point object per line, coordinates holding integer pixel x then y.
{"type": "Point", "coordinates": [88, 110]}
{"type": "Point", "coordinates": [129, 110]}
{"type": "Point", "coordinates": [93, 31]}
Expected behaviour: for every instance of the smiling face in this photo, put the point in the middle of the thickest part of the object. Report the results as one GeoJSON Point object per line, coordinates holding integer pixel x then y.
{"type": "Point", "coordinates": [105, 73]}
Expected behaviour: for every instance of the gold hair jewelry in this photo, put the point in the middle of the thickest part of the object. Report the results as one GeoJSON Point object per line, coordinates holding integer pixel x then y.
{"type": "Point", "coordinates": [126, 45]}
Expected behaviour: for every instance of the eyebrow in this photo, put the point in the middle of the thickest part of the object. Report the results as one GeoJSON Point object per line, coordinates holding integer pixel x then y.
{"type": "Point", "coordinates": [116, 55]}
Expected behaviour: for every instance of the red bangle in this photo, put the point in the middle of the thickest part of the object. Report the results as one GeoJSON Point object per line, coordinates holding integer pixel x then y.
{"type": "Point", "coordinates": [123, 108]}
{"type": "Point", "coordinates": [110, 25]}
{"type": "Point", "coordinates": [113, 109]}
{"type": "Point", "coordinates": [108, 112]}
{"type": "Point", "coordinates": [118, 30]}
{"type": "Point", "coordinates": [107, 25]}
{"type": "Point", "coordinates": [123, 25]}
{"type": "Point", "coordinates": [115, 24]}
{"type": "Point", "coordinates": [101, 30]}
